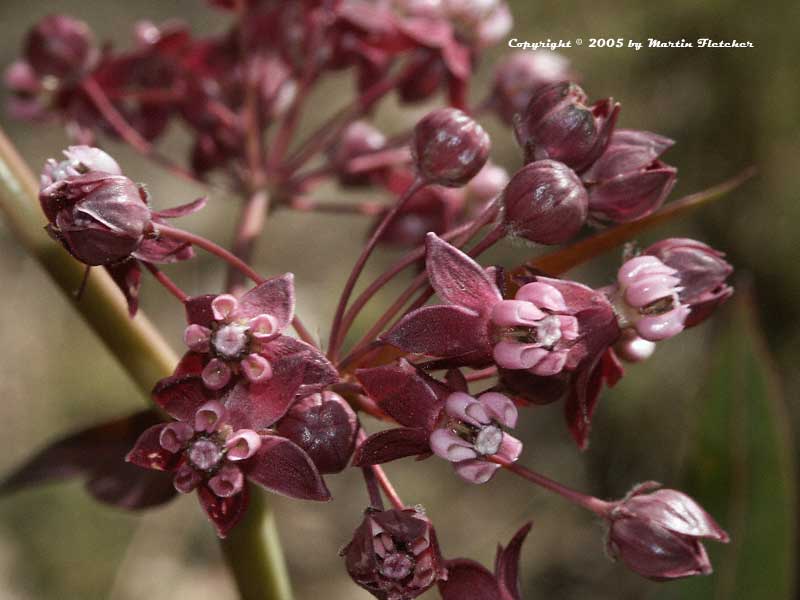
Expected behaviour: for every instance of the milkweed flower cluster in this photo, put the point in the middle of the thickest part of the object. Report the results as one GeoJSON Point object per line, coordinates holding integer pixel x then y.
{"type": "Point", "coordinates": [251, 404]}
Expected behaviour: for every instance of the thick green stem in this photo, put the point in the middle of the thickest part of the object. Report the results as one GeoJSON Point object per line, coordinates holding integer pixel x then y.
{"type": "Point", "coordinates": [253, 549]}
{"type": "Point", "coordinates": [254, 554]}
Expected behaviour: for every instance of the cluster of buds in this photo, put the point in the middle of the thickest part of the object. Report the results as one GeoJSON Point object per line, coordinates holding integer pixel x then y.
{"type": "Point", "coordinates": [249, 404]}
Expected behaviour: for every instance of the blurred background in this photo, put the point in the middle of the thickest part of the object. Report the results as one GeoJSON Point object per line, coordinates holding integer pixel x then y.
{"type": "Point", "coordinates": [712, 412]}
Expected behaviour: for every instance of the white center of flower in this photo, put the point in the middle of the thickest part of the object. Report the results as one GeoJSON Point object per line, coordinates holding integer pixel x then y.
{"type": "Point", "coordinates": [230, 341]}
{"type": "Point", "coordinates": [548, 331]}
{"type": "Point", "coordinates": [204, 454]}
{"type": "Point", "coordinates": [488, 440]}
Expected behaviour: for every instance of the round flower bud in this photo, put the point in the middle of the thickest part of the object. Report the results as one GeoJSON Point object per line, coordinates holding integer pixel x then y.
{"type": "Point", "coordinates": [99, 217]}
{"type": "Point", "coordinates": [357, 139]}
{"type": "Point", "coordinates": [557, 124]}
{"type": "Point", "coordinates": [59, 46]}
{"type": "Point", "coordinates": [325, 427]}
{"type": "Point", "coordinates": [449, 147]}
{"type": "Point", "coordinates": [521, 75]}
{"type": "Point", "coordinates": [545, 202]}
{"type": "Point", "coordinates": [658, 534]}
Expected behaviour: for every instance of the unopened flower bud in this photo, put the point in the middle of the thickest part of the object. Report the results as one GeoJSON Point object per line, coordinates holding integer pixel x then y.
{"type": "Point", "coordinates": [702, 272]}
{"type": "Point", "coordinates": [99, 217]}
{"type": "Point", "coordinates": [357, 139]}
{"type": "Point", "coordinates": [545, 202]}
{"type": "Point", "coordinates": [658, 534]}
{"type": "Point", "coordinates": [325, 427]}
{"type": "Point", "coordinates": [628, 181]}
{"type": "Point", "coordinates": [521, 75]}
{"type": "Point", "coordinates": [449, 147]}
{"type": "Point", "coordinates": [394, 554]}
{"type": "Point", "coordinates": [58, 45]}
{"type": "Point", "coordinates": [557, 124]}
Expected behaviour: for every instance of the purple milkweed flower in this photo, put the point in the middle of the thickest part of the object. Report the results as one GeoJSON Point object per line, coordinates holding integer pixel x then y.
{"type": "Point", "coordinates": [216, 442]}
{"type": "Point", "coordinates": [449, 148]}
{"type": "Point", "coordinates": [628, 181]}
{"type": "Point", "coordinates": [467, 579]}
{"type": "Point", "coordinates": [558, 125]}
{"type": "Point", "coordinates": [473, 430]}
{"type": "Point", "coordinates": [545, 202]}
{"type": "Point", "coordinates": [394, 554]}
{"type": "Point", "coordinates": [702, 271]}
{"type": "Point", "coordinates": [521, 75]}
{"type": "Point", "coordinates": [539, 331]}
{"type": "Point", "coordinates": [658, 533]}
{"type": "Point", "coordinates": [238, 341]}
{"type": "Point", "coordinates": [647, 299]}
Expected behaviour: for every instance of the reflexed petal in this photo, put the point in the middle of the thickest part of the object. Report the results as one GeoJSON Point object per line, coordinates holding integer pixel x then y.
{"type": "Point", "coordinates": [467, 579]}
{"type": "Point", "coordinates": [181, 396]}
{"type": "Point", "coordinates": [282, 467]}
{"type": "Point", "coordinates": [441, 331]}
{"type": "Point", "coordinates": [259, 405]}
{"type": "Point", "coordinates": [457, 278]}
{"type": "Point", "coordinates": [198, 310]}
{"type": "Point", "coordinates": [148, 452]}
{"type": "Point", "coordinates": [274, 297]}
{"type": "Point", "coordinates": [402, 392]}
{"type": "Point", "coordinates": [507, 565]}
{"type": "Point", "coordinates": [183, 209]}
{"type": "Point", "coordinates": [128, 276]}
{"type": "Point", "coordinates": [223, 512]}
{"type": "Point", "coordinates": [391, 444]}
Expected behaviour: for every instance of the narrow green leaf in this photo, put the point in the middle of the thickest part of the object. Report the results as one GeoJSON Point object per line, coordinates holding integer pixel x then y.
{"type": "Point", "coordinates": [742, 470]}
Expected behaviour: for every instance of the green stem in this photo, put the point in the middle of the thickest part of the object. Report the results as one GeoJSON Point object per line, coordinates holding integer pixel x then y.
{"type": "Point", "coordinates": [254, 554]}
{"type": "Point", "coordinates": [253, 549]}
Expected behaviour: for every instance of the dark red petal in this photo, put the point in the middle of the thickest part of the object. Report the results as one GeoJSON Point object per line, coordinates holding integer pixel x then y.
{"type": "Point", "coordinates": [148, 453]}
{"type": "Point", "coordinates": [273, 297]}
{"type": "Point", "coordinates": [128, 486]}
{"type": "Point", "coordinates": [441, 331]}
{"type": "Point", "coordinates": [389, 445]}
{"type": "Point", "coordinates": [98, 453]}
{"type": "Point", "coordinates": [282, 467]}
{"type": "Point", "coordinates": [507, 565]}
{"type": "Point", "coordinates": [457, 278]}
{"type": "Point", "coordinates": [198, 310]}
{"type": "Point", "coordinates": [181, 396]}
{"type": "Point", "coordinates": [259, 405]}
{"type": "Point", "coordinates": [318, 372]}
{"type": "Point", "coordinates": [191, 363]}
{"type": "Point", "coordinates": [223, 512]}
{"type": "Point", "coordinates": [163, 250]}
{"type": "Point", "coordinates": [128, 276]}
{"type": "Point", "coordinates": [467, 579]}
{"type": "Point", "coordinates": [182, 210]}
{"type": "Point", "coordinates": [402, 392]}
